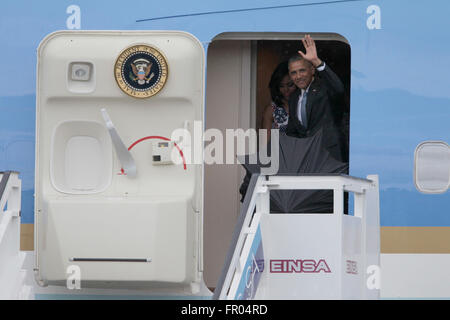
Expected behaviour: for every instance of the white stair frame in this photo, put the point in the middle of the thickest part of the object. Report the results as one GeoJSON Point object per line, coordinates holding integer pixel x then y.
{"type": "Point", "coordinates": [366, 207]}
{"type": "Point", "coordinates": [12, 272]}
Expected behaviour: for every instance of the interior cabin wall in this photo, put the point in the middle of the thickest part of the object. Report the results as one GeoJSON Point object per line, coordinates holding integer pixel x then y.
{"type": "Point", "coordinates": [228, 101]}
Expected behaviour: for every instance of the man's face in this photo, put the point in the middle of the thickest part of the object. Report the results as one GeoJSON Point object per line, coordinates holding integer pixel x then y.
{"type": "Point", "coordinates": [301, 73]}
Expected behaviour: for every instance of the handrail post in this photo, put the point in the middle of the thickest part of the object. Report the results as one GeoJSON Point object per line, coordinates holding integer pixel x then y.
{"type": "Point", "coordinates": [12, 275]}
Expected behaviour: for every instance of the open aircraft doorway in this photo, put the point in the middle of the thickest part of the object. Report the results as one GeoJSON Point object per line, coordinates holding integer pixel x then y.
{"type": "Point", "coordinates": [239, 68]}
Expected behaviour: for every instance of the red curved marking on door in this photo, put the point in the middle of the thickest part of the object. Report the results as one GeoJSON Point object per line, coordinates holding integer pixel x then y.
{"type": "Point", "coordinates": [156, 137]}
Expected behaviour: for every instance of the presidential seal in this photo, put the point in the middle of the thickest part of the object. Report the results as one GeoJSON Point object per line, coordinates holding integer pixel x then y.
{"type": "Point", "coordinates": [141, 71]}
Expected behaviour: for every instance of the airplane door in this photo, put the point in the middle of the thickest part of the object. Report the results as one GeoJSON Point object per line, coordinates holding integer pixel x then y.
{"type": "Point", "coordinates": [116, 196]}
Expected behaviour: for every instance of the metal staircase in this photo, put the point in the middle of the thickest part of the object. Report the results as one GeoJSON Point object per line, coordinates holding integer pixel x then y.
{"type": "Point", "coordinates": [350, 243]}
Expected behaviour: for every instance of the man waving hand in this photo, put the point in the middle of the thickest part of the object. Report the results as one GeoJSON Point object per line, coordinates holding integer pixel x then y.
{"type": "Point", "coordinates": [319, 91]}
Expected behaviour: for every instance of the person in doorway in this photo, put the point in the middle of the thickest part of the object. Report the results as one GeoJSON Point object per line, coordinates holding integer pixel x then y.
{"type": "Point", "coordinates": [276, 114]}
{"type": "Point", "coordinates": [318, 91]}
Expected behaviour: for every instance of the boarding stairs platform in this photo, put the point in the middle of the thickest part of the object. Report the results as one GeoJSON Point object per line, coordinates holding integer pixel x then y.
{"type": "Point", "coordinates": [305, 255]}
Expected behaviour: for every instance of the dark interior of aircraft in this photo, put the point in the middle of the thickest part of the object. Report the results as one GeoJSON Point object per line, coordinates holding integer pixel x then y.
{"type": "Point", "coordinates": [335, 53]}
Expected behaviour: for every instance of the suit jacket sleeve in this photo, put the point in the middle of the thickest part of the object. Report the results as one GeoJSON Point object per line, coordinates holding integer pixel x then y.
{"type": "Point", "coordinates": [335, 87]}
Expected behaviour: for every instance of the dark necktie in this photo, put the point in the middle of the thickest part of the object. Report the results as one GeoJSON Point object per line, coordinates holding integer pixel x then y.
{"type": "Point", "coordinates": [303, 109]}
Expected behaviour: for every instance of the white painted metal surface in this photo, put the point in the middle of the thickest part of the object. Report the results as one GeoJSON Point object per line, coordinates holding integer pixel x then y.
{"type": "Point", "coordinates": [308, 256]}
{"type": "Point", "coordinates": [136, 227]}
{"type": "Point", "coordinates": [12, 272]}
{"type": "Point", "coordinates": [415, 276]}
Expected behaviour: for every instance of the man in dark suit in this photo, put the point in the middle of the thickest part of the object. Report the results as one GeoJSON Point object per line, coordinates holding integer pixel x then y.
{"type": "Point", "coordinates": [319, 91]}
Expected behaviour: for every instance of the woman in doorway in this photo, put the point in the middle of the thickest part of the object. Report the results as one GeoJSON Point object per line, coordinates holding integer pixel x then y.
{"type": "Point", "coordinates": [276, 115]}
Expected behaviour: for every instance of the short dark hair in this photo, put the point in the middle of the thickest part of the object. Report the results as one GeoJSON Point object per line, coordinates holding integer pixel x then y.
{"type": "Point", "coordinates": [297, 57]}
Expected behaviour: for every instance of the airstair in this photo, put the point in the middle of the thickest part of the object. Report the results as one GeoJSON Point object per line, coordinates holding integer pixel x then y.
{"type": "Point", "coordinates": [305, 255]}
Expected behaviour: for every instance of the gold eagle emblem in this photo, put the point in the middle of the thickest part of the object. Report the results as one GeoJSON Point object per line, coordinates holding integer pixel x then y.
{"type": "Point", "coordinates": [141, 69]}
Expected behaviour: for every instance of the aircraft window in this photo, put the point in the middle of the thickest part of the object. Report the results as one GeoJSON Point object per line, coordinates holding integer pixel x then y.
{"type": "Point", "coordinates": [432, 167]}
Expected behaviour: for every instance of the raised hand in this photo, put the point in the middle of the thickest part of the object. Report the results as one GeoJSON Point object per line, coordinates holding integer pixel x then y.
{"type": "Point", "coordinates": [311, 51]}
